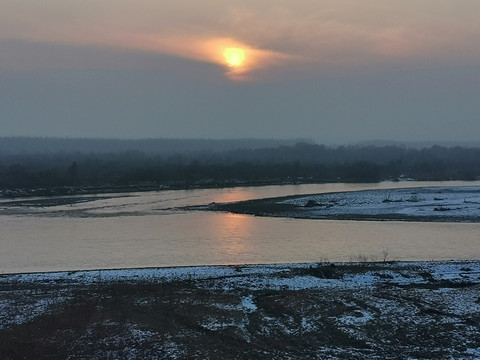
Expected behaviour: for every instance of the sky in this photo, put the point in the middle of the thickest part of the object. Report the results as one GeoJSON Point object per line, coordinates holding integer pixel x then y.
{"type": "Point", "coordinates": [333, 71]}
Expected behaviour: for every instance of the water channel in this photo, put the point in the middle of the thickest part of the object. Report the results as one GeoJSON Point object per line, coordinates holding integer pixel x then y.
{"type": "Point", "coordinates": [147, 229]}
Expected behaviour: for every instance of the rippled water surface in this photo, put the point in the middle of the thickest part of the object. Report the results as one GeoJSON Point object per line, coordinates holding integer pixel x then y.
{"type": "Point", "coordinates": [148, 229]}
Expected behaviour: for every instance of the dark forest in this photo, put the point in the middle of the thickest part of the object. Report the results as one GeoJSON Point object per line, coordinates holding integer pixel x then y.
{"type": "Point", "coordinates": [57, 166]}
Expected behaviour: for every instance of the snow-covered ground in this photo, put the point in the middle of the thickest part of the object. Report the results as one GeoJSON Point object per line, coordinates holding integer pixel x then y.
{"type": "Point", "coordinates": [272, 276]}
{"type": "Point", "coordinates": [387, 310]}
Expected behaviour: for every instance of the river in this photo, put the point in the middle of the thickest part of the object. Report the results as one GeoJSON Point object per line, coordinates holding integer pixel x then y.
{"type": "Point", "coordinates": [148, 230]}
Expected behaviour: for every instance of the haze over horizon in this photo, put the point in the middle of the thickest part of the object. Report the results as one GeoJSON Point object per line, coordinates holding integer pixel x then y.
{"type": "Point", "coordinates": [332, 71]}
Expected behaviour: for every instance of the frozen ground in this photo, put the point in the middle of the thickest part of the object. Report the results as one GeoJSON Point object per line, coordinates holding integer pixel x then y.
{"type": "Point", "coordinates": [398, 310]}
{"type": "Point", "coordinates": [455, 203]}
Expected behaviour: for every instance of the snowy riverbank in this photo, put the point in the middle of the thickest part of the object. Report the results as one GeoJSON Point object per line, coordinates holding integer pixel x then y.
{"type": "Point", "coordinates": [387, 310]}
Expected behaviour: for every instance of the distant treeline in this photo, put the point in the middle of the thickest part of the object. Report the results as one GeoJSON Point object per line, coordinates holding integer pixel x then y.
{"type": "Point", "coordinates": [49, 145]}
{"type": "Point", "coordinates": [299, 163]}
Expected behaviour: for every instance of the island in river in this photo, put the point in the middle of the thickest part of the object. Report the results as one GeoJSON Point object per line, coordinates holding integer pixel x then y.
{"type": "Point", "coordinates": [446, 204]}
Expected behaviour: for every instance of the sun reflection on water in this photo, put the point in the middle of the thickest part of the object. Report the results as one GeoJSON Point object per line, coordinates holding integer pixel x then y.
{"type": "Point", "coordinates": [234, 234]}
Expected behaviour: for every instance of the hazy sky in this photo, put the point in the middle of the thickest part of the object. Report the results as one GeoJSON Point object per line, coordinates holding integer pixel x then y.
{"type": "Point", "coordinates": [335, 71]}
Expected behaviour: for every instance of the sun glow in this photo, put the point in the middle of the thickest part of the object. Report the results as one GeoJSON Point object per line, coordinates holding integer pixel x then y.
{"type": "Point", "coordinates": [240, 60]}
{"type": "Point", "coordinates": [234, 57]}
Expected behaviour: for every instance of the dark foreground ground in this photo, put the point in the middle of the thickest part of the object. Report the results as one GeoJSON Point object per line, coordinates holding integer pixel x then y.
{"type": "Point", "coordinates": [306, 311]}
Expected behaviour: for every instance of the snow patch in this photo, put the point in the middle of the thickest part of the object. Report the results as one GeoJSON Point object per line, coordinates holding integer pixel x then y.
{"type": "Point", "coordinates": [360, 317]}
{"type": "Point", "coordinates": [248, 303]}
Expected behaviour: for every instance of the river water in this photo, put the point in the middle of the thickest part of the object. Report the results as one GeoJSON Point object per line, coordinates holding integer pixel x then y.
{"type": "Point", "coordinates": [147, 230]}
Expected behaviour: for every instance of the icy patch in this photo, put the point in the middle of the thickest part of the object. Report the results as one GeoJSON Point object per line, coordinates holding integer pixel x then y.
{"type": "Point", "coordinates": [215, 324]}
{"type": "Point", "coordinates": [25, 310]}
{"type": "Point", "coordinates": [138, 334]}
{"type": "Point", "coordinates": [371, 278]}
{"type": "Point", "coordinates": [458, 302]}
{"type": "Point", "coordinates": [248, 303]}
{"type": "Point", "coordinates": [474, 352]}
{"type": "Point", "coordinates": [260, 281]}
{"type": "Point", "coordinates": [464, 271]}
{"type": "Point", "coordinates": [156, 275]}
{"type": "Point", "coordinates": [145, 301]}
{"type": "Point", "coordinates": [360, 318]}
{"type": "Point", "coordinates": [228, 307]}
{"type": "Point", "coordinates": [308, 325]}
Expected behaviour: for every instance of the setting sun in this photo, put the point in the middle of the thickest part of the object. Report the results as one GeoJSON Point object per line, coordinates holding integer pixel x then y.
{"type": "Point", "coordinates": [235, 57]}
{"type": "Point", "coordinates": [238, 59]}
